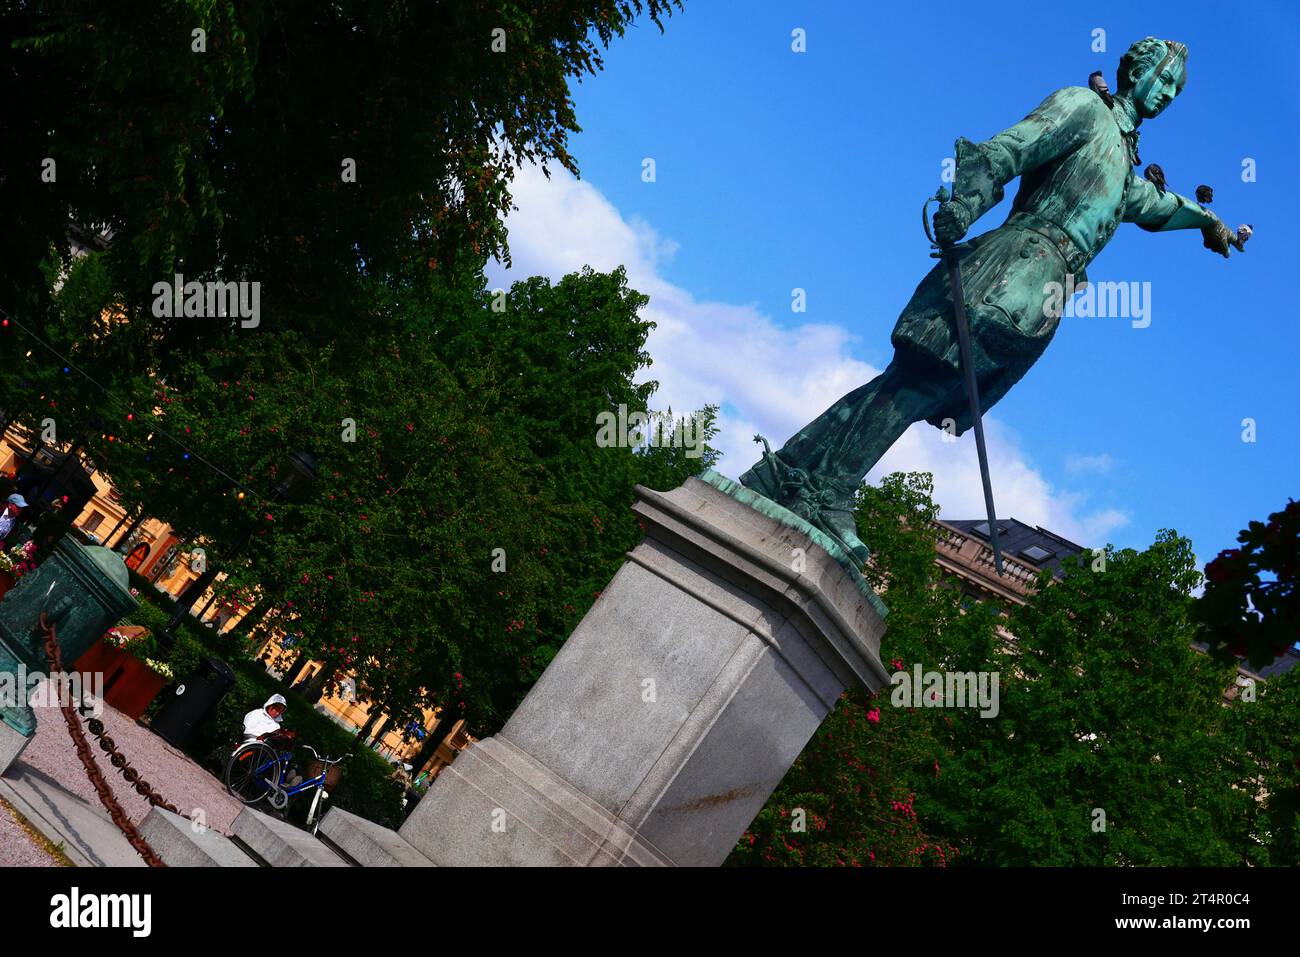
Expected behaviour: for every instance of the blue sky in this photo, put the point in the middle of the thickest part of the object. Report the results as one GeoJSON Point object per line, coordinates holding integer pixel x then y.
{"type": "Point", "coordinates": [777, 170]}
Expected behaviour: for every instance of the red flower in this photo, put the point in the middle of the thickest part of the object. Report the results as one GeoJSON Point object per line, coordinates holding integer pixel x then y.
{"type": "Point", "coordinates": [1222, 568]}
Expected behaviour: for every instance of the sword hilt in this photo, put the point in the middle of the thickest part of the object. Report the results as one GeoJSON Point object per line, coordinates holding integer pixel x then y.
{"type": "Point", "coordinates": [943, 251]}
{"type": "Point", "coordinates": [940, 197]}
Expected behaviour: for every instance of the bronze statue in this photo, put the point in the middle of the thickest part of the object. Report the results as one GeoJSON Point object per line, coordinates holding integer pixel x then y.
{"type": "Point", "coordinates": [1075, 156]}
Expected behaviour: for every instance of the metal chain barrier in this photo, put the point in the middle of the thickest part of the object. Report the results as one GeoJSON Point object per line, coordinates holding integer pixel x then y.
{"type": "Point", "coordinates": [104, 792]}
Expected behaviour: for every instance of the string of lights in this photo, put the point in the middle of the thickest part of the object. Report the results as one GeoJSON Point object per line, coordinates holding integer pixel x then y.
{"type": "Point", "coordinates": [8, 320]}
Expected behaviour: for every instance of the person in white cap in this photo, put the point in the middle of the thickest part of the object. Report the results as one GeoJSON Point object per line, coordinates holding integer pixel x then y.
{"type": "Point", "coordinates": [9, 517]}
{"type": "Point", "coordinates": [263, 724]}
{"type": "Point", "coordinates": [264, 721]}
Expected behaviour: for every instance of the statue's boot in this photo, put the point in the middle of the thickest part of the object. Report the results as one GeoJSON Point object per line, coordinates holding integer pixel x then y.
{"type": "Point", "coordinates": [816, 474]}
{"type": "Point", "coordinates": [828, 507]}
{"type": "Point", "coordinates": [836, 519]}
{"type": "Point", "coordinates": [759, 479]}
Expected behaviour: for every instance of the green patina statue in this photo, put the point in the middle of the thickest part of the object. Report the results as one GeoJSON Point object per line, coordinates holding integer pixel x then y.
{"type": "Point", "coordinates": [1075, 155]}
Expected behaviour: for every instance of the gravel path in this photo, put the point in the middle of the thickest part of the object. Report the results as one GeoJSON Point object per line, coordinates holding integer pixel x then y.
{"type": "Point", "coordinates": [174, 775]}
{"type": "Point", "coordinates": [17, 847]}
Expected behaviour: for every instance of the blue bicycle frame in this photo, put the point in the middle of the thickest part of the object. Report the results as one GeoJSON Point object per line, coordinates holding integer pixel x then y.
{"type": "Point", "coordinates": [279, 766]}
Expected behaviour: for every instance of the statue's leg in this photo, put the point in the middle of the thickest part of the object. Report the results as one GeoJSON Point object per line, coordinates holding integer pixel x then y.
{"type": "Point", "coordinates": [844, 442]}
{"type": "Point", "coordinates": [834, 451]}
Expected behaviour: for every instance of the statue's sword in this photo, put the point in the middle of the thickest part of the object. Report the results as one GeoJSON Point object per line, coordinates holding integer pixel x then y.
{"type": "Point", "coordinates": [951, 254]}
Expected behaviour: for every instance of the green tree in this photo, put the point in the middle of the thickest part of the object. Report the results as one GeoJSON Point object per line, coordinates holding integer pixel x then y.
{"type": "Point", "coordinates": [216, 139]}
{"type": "Point", "coordinates": [1106, 710]}
{"type": "Point", "coordinates": [868, 778]}
{"type": "Point", "coordinates": [1251, 606]}
{"type": "Point", "coordinates": [1105, 707]}
{"type": "Point", "coordinates": [465, 515]}
{"type": "Point", "coordinates": [1262, 746]}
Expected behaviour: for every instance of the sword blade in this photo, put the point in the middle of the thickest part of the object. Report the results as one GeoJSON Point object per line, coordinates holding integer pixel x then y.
{"type": "Point", "coordinates": [951, 257]}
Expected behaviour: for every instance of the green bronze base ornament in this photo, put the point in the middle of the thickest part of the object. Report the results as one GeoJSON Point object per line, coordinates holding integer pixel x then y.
{"type": "Point", "coordinates": [83, 589]}
{"type": "Point", "coordinates": [1075, 156]}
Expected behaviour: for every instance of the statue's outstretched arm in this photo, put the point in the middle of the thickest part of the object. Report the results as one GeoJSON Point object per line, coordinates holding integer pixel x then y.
{"type": "Point", "coordinates": [1157, 211]}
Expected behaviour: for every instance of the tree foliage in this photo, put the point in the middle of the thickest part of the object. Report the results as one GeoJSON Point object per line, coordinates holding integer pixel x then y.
{"type": "Point", "coordinates": [1251, 606]}
{"type": "Point", "coordinates": [218, 140]}
{"type": "Point", "coordinates": [1112, 744]}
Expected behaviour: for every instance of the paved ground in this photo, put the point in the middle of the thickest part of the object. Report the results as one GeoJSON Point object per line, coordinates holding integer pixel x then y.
{"type": "Point", "coordinates": [17, 847]}
{"type": "Point", "coordinates": [49, 786]}
{"type": "Point", "coordinates": [173, 774]}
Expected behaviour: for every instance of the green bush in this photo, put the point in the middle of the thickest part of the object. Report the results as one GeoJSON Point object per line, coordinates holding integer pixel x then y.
{"type": "Point", "coordinates": [148, 615]}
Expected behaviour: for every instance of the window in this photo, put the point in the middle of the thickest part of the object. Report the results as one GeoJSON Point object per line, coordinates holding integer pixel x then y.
{"type": "Point", "coordinates": [92, 523]}
{"type": "Point", "coordinates": [982, 529]}
{"type": "Point", "coordinates": [1037, 554]}
{"type": "Point", "coordinates": [161, 566]}
{"type": "Point", "coordinates": [137, 556]}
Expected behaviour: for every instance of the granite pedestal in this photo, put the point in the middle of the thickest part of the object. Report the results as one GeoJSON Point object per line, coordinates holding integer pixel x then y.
{"type": "Point", "coordinates": [679, 702]}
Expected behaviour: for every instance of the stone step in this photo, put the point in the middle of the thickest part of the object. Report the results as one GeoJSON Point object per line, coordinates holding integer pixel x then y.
{"type": "Point", "coordinates": [368, 843]}
{"type": "Point", "coordinates": [182, 843]}
{"type": "Point", "coordinates": [496, 807]}
{"type": "Point", "coordinates": [84, 831]}
{"type": "Point", "coordinates": [281, 844]}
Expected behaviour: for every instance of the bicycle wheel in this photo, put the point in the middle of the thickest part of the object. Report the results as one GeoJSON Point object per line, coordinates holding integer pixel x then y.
{"type": "Point", "coordinates": [252, 771]}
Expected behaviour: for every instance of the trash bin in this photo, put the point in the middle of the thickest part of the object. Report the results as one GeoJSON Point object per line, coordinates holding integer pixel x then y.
{"type": "Point", "coordinates": [191, 701]}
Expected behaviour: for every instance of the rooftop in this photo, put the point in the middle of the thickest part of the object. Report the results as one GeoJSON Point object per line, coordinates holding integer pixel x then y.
{"type": "Point", "coordinates": [1030, 544]}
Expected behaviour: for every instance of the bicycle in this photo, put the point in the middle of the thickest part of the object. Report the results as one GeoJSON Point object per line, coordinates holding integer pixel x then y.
{"type": "Point", "coordinates": [256, 771]}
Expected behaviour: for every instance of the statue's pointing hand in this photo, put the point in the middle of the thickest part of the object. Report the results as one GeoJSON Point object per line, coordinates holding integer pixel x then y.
{"type": "Point", "coordinates": [1219, 237]}
{"type": "Point", "coordinates": [951, 220]}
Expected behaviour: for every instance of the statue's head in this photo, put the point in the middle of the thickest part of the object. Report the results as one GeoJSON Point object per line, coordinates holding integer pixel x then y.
{"type": "Point", "coordinates": [1151, 73]}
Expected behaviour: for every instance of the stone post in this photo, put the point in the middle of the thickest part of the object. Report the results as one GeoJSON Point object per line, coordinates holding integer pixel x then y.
{"type": "Point", "coordinates": [679, 702]}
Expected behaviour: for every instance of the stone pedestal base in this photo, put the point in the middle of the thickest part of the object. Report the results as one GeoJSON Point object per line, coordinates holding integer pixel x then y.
{"type": "Point", "coordinates": [11, 745]}
{"type": "Point", "coordinates": [677, 705]}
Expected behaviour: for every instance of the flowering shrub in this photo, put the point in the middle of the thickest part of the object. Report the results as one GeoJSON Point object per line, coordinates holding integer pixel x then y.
{"type": "Point", "coordinates": [19, 560]}
{"type": "Point", "coordinates": [847, 800]}
{"type": "Point", "coordinates": [160, 668]}
{"type": "Point", "coordinates": [1250, 608]}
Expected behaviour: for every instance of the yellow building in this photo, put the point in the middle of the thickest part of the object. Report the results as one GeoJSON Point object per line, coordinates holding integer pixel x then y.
{"type": "Point", "coordinates": [347, 706]}
{"type": "Point", "coordinates": [153, 550]}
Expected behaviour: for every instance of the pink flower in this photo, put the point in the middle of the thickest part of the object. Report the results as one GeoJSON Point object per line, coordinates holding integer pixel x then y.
{"type": "Point", "coordinates": [874, 716]}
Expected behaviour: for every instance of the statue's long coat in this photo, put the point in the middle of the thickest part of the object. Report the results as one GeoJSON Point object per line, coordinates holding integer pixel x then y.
{"type": "Point", "coordinates": [1076, 158]}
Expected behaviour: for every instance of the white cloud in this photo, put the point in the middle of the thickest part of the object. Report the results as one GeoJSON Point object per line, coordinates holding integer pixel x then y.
{"type": "Point", "coordinates": [730, 354]}
{"type": "Point", "coordinates": [1083, 464]}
